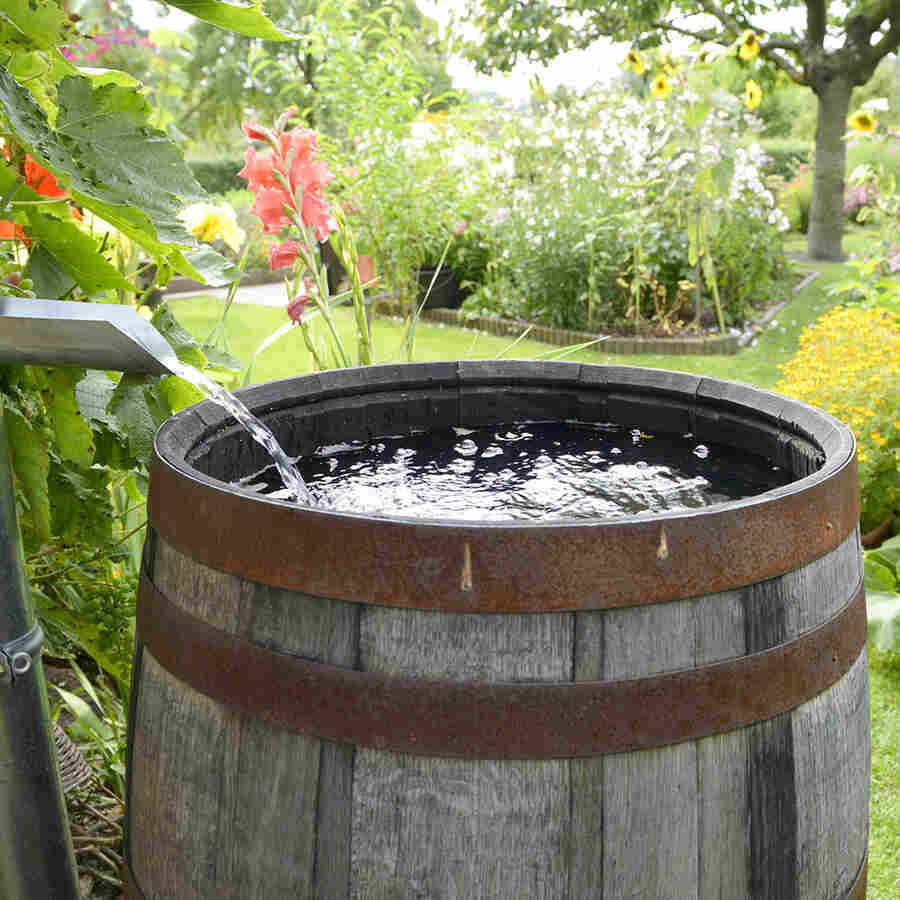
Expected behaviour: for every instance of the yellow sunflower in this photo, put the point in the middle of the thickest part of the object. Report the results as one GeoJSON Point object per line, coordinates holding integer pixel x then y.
{"type": "Point", "coordinates": [862, 121]}
{"type": "Point", "coordinates": [753, 94]}
{"type": "Point", "coordinates": [634, 60]}
{"type": "Point", "coordinates": [660, 87]}
{"type": "Point", "coordinates": [749, 48]}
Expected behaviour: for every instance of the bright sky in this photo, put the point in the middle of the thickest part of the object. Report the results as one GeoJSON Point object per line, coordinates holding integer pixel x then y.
{"type": "Point", "coordinates": [578, 69]}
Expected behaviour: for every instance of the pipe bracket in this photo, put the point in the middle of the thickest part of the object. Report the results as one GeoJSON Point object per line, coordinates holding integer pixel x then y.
{"type": "Point", "coordinates": [18, 655]}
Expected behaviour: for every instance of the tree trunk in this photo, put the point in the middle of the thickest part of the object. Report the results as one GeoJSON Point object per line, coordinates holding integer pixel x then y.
{"type": "Point", "coordinates": [826, 214]}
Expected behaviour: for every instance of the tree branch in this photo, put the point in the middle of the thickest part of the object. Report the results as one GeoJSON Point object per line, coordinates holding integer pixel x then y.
{"type": "Point", "coordinates": [890, 40]}
{"type": "Point", "coordinates": [816, 22]}
{"type": "Point", "coordinates": [768, 49]}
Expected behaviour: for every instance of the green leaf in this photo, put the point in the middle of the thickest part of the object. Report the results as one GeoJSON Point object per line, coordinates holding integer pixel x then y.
{"type": "Point", "coordinates": [182, 342]}
{"type": "Point", "coordinates": [246, 19]}
{"type": "Point", "coordinates": [50, 280]}
{"type": "Point", "coordinates": [179, 394]}
{"type": "Point", "coordinates": [73, 434]}
{"type": "Point", "coordinates": [80, 502]}
{"type": "Point", "coordinates": [884, 620]}
{"type": "Point", "coordinates": [208, 266]}
{"type": "Point", "coordinates": [139, 410]}
{"type": "Point", "coordinates": [31, 463]}
{"type": "Point", "coordinates": [87, 722]}
{"type": "Point", "coordinates": [34, 24]}
{"type": "Point", "coordinates": [131, 175]}
{"type": "Point", "coordinates": [77, 253]}
{"type": "Point", "coordinates": [888, 555]}
{"type": "Point", "coordinates": [879, 577]}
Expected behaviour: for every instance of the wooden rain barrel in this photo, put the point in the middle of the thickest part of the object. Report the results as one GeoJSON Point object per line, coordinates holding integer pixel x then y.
{"type": "Point", "coordinates": [664, 707]}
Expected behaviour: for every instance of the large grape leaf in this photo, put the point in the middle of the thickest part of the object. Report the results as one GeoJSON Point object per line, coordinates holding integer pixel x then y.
{"type": "Point", "coordinates": [182, 342]}
{"type": "Point", "coordinates": [73, 435]}
{"type": "Point", "coordinates": [81, 503]}
{"type": "Point", "coordinates": [247, 18]}
{"type": "Point", "coordinates": [130, 174]}
{"type": "Point", "coordinates": [209, 265]}
{"type": "Point", "coordinates": [34, 24]}
{"type": "Point", "coordinates": [139, 411]}
{"type": "Point", "coordinates": [31, 463]}
{"type": "Point", "coordinates": [77, 253]}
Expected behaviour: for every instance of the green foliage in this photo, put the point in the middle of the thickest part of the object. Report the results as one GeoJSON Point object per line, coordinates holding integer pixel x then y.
{"type": "Point", "coordinates": [786, 155]}
{"type": "Point", "coordinates": [751, 267]}
{"type": "Point", "coordinates": [218, 176]}
{"type": "Point", "coordinates": [882, 568]}
{"type": "Point", "coordinates": [331, 65]}
{"type": "Point", "coordinates": [86, 598]}
{"type": "Point", "coordinates": [99, 727]}
{"type": "Point", "coordinates": [81, 144]}
{"type": "Point", "coordinates": [246, 20]}
{"type": "Point", "coordinates": [541, 272]}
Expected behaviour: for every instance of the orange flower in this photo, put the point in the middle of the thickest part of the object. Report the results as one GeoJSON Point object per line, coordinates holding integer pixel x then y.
{"type": "Point", "coordinates": [37, 177]}
{"type": "Point", "coordinates": [40, 180]}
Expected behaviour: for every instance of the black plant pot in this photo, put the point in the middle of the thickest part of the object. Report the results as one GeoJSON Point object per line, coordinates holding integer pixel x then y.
{"type": "Point", "coordinates": [446, 292]}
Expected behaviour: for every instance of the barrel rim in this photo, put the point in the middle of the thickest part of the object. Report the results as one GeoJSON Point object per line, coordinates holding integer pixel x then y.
{"type": "Point", "coordinates": [258, 400]}
{"type": "Point", "coordinates": [813, 513]}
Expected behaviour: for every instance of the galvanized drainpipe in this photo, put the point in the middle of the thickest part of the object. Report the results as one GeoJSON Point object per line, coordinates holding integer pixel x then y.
{"type": "Point", "coordinates": [36, 857]}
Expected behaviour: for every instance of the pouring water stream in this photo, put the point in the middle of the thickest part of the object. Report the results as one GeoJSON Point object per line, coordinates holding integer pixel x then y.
{"type": "Point", "coordinates": [259, 431]}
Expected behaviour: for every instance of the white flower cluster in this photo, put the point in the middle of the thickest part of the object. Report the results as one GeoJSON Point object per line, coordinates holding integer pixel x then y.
{"type": "Point", "coordinates": [748, 188]}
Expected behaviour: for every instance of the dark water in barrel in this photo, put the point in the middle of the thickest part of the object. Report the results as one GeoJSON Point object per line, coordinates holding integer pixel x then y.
{"type": "Point", "coordinates": [534, 471]}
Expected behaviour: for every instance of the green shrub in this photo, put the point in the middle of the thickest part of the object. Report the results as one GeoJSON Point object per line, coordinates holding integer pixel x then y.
{"type": "Point", "coordinates": [218, 176]}
{"type": "Point", "coordinates": [751, 267]}
{"type": "Point", "coordinates": [786, 156]}
{"type": "Point", "coordinates": [557, 260]}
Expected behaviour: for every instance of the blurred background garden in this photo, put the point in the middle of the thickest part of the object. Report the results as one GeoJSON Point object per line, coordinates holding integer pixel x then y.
{"type": "Point", "coordinates": [675, 190]}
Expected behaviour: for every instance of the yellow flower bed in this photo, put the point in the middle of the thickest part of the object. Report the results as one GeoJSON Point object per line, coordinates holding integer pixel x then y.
{"type": "Point", "coordinates": [848, 363]}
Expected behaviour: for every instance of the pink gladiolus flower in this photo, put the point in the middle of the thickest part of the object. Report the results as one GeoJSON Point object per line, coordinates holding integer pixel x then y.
{"type": "Point", "coordinates": [269, 206]}
{"type": "Point", "coordinates": [284, 254]}
{"type": "Point", "coordinates": [255, 131]}
{"type": "Point", "coordinates": [267, 177]}
{"type": "Point", "coordinates": [297, 307]}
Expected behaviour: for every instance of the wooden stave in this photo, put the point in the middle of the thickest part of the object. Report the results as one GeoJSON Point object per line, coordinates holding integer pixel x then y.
{"type": "Point", "coordinates": [594, 776]}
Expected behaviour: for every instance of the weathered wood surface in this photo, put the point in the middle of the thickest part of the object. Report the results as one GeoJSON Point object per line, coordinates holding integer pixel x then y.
{"type": "Point", "coordinates": [224, 806]}
{"type": "Point", "coordinates": [445, 829]}
{"type": "Point", "coordinates": [228, 806]}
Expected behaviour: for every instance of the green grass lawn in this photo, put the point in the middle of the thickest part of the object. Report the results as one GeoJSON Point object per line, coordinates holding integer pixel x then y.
{"type": "Point", "coordinates": [757, 365]}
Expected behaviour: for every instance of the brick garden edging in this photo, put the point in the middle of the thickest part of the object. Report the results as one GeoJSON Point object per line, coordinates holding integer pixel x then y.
{"type": "Point", "coordinates": [563, 337]}
{"type": "Point", "coordinates": [706, 345]}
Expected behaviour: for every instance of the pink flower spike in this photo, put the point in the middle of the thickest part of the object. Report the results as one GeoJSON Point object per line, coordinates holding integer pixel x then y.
{"type": "Point", "coordinates": [269, 207]}
{"type": "Point", "coordinates": [281, 255]}
{"type": "Point", "coordinates": [461, 227]}
{"type": "Point", "coordinates": [297, 307]}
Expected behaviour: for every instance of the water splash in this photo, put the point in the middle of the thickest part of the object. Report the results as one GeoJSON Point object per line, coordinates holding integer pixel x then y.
{"type": "Point", "coordinates": [534, 471]}
{"type": "Point", "coordinates": [294, 484]}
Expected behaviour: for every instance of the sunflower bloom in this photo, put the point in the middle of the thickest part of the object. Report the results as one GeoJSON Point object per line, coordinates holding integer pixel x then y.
{"type": "Point", "coordinates": [753, 94]}
{"type": "Point", "coordinates": [660, 87]}
{"type": "Point", "coordinates": [207, 222]}
{"type": "Point", "coordinates": [634, 60]}
{"type": "Point", "coordinates": [862, 121]}
{"type": "Point", "coordinates": [749, 48]}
